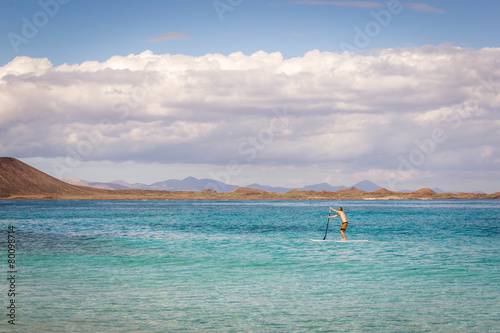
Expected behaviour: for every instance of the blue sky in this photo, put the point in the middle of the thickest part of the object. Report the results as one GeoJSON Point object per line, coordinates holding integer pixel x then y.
{"type": "Point", "coordinates": [97, 29]}
{"type": "Point", "coordinates": [254, 91]}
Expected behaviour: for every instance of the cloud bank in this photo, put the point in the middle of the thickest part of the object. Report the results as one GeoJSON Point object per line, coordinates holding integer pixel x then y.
{"type": "Point", "coordinates": [394, 115]}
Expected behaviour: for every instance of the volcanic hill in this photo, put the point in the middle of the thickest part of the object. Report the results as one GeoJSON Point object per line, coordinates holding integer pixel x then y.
{"type": "Point", "coordinates": [18, 179]}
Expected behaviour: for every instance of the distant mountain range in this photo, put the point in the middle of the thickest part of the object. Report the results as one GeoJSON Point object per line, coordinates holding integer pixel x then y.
{"type": "Point", "coordinates": [19, 181]}
{"type": "Point", "coordinates": [194, 184]}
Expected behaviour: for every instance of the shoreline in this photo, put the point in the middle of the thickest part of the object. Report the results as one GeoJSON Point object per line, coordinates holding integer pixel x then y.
{"type": "Point", "coordinates": [250, 194]}
{"type": "Point", "coordinates": [19, 181]}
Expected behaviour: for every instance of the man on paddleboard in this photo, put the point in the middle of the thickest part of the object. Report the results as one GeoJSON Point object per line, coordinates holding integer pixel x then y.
{"type": "Point", "coordinates": [341, 213]}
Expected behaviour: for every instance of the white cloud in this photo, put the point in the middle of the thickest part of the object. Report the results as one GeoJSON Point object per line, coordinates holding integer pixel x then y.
{"type": "Point", "coordinates": [343, 111]}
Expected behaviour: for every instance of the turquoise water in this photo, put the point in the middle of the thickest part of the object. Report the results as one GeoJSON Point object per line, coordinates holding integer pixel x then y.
{"type": "Point", "coordinates": [249, 266]}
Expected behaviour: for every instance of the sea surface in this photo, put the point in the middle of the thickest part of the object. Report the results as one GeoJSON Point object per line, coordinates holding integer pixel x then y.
{"type": "Point", "coordinates": [250, 266]}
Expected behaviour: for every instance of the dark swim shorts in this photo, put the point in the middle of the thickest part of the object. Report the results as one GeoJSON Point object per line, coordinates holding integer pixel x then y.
{"type": "Point", "coordinates": [344, 226]}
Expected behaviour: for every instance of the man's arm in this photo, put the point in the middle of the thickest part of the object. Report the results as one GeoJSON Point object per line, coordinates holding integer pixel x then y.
{"type": "Point", "coordinates": [336, 211]}
{"type": "Point", "coordinates": [333, 216]}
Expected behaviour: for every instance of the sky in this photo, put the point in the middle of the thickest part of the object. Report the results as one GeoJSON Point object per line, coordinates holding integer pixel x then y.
{"type": "Point", "coordinates": [283, 93]}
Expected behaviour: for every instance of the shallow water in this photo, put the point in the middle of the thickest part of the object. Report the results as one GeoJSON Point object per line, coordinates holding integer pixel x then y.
{"type": "Point", "coordinates": [250, 266]}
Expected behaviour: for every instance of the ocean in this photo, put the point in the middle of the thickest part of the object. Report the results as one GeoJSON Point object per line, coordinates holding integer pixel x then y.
{"type": "Point", "coordinates": [249, 266]}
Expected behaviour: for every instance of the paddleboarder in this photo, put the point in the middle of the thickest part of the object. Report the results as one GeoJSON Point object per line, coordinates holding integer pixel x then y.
{"type": "Point", "coordinates": [341, 213]}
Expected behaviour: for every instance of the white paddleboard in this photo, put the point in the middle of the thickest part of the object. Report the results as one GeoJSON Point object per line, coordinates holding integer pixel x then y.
{"type": "Point", "coordinates": [339, 241]}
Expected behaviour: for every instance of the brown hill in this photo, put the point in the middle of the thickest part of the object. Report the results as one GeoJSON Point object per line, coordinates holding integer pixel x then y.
{"type": "Point", "coordinates": [424, 193]}
{"type": "Point", "coordinates": [383, 191]}
{"type": "Point", "coordinates": [247, 191]}
{"type": "Point", "coordinates": [350, 193]}
{"type": "Point", "coordinates": [242, 193]}
{"type": "Point", "coordinates": [20, 179]}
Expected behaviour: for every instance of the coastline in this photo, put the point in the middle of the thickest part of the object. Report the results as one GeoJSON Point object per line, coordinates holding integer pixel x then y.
{"type": "Point", "coordinates": [249, 194]}
{"type": "Point", "coordinates": [19, 181]}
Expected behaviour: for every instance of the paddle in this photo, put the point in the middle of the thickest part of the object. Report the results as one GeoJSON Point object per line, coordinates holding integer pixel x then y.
{"type": "Point", "coordinates": [327, 223]}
